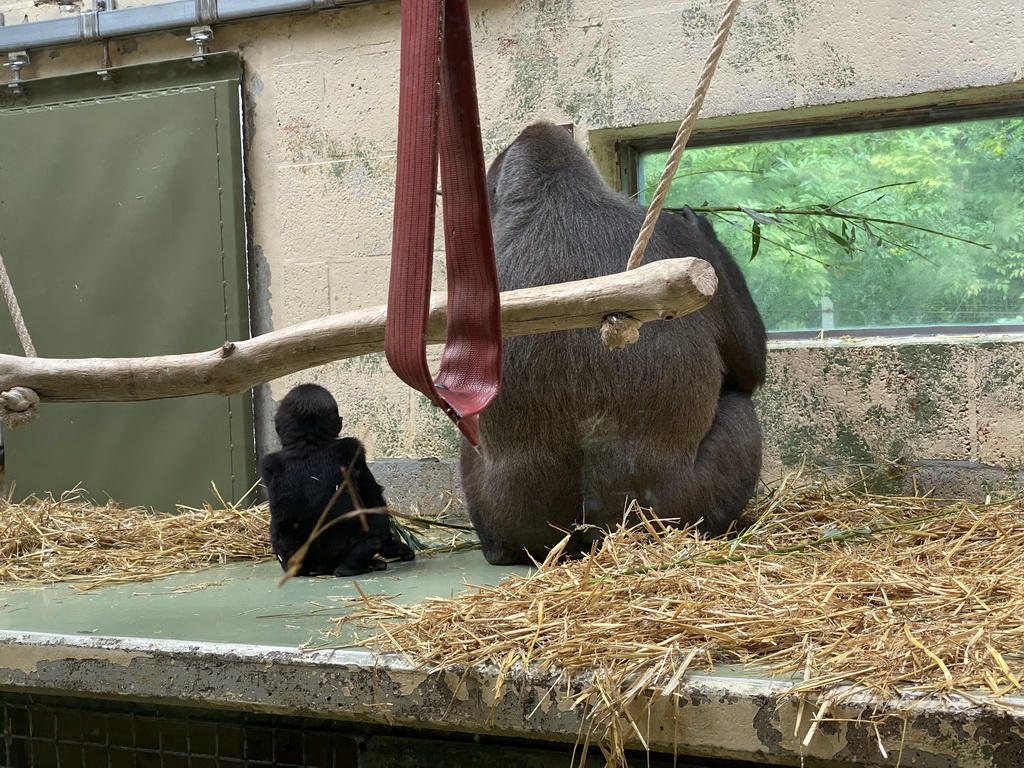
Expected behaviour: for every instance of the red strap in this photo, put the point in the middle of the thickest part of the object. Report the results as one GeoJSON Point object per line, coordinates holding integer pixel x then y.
{"type": "Point", "coordinates": [437, 83]}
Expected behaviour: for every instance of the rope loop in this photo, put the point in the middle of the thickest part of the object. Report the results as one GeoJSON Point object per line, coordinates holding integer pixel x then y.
{"type": "Point", "coordinates": [18, 406]}
{"type": "Point", "coordinates": [620, 330]}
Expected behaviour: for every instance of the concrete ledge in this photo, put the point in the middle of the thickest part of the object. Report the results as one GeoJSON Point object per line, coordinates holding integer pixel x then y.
{"type": "Point", "coordinates": [963, 480]}
{"type": "Point", "coordinates": [432, 487]}
{"type": "Point", "coordinates": [426, 487]}
{"type": "Point", "coordinates": [727, 714]}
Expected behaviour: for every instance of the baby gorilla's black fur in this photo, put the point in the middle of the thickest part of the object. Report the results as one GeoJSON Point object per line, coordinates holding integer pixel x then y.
{"type": "Point", "coordinates": [302, 477]}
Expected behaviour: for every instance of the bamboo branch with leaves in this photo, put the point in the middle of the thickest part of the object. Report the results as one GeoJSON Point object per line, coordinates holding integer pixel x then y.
{"type": "Point", "coordinates": [845, 238]}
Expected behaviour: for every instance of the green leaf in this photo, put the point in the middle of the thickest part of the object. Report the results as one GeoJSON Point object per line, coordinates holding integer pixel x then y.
{"type": "Point", "coordinates": [842, 241]}
{"type": "Point", "coordinates": [872, 237]}
{"type": "Point", "coordinates": [755, 240]}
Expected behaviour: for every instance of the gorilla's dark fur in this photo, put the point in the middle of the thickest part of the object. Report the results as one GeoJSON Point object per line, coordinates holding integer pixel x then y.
{"type": "Point", "coordinates": [579, 430]}
{"type": "Point", "coordinates": [302, 477]}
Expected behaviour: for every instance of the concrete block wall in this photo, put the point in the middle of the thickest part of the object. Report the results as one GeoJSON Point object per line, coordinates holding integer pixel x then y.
{"type": "Point", "coordinates": [321, 93]}
{"type": "Point", "coordinates": [951, 406]}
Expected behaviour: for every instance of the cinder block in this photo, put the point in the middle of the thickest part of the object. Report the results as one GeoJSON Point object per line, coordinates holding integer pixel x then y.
{"type": "Point", "coordinates": [427, 487]}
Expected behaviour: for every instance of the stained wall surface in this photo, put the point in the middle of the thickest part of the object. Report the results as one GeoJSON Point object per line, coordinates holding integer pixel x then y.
{"type": "Point", "coordinates": [321, 94]}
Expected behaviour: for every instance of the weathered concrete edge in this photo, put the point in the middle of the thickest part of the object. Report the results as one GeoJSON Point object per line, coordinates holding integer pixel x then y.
{"type": "Point", "coordinates": [721, 714]}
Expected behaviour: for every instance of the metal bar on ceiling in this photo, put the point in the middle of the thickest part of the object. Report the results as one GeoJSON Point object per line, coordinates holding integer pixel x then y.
{"type": "Point", "coordinates": [94, 25]}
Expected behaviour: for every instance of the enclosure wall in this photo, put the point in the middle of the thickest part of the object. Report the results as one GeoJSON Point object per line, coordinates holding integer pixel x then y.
{"type": "Point", "coordinates": [320, 102]}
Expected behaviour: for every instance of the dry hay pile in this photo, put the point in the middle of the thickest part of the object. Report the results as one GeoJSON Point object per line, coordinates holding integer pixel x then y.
{"type": "Point", "coordinates": [887, 594]}
{"type": "Point", "coordinates": [69, 539]}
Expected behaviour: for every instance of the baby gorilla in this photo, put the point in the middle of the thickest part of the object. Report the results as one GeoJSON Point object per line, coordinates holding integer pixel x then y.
{"type": "Point", "coordinates": [302, 478]}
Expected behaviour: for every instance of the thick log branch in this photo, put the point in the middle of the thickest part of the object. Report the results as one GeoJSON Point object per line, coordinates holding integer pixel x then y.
{"type": "Point", "coordinates": [658, 291]}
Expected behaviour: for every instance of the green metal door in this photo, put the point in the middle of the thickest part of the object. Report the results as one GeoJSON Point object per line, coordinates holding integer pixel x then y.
{"type": "Point", "coordinates": [122, 228]}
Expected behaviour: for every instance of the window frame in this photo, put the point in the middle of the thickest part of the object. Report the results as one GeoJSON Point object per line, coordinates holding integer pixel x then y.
{"type": "Point", "coordinates": [629, 151]}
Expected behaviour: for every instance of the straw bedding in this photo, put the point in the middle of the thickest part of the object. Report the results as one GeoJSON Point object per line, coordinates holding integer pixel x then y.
{"type": "Point", "coordinates": [73, 540]}
{"type": "Point", "coordinates": [889, 594]}
{"type": "Point", "coordinates": [848, 592]}
{"type": "Point", "coordinates": [70, 539]}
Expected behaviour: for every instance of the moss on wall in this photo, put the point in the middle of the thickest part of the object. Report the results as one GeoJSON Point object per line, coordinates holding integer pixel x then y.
{"type": "Point", "coordinates": [874, 401]}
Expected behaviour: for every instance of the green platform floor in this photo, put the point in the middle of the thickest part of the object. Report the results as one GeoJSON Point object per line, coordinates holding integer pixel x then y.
{"type": "Point", "coordinates": [239, 603]}
{"type": "Point", "coordinates": [240, 644]}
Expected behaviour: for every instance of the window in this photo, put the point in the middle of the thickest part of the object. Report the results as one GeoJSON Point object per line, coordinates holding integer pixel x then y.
{"type": "Point", "coordinates": [806, 212]}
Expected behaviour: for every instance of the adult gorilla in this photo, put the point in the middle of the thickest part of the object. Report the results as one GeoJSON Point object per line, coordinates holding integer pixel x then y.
{"type": "Point", "coordinates": [579, 431]}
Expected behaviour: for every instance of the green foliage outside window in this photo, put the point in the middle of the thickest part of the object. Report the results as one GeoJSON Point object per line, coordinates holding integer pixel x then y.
{"type": "Point", "coordinates": [811, 212]}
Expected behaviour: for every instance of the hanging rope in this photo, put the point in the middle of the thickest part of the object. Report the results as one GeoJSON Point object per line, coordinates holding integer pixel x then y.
{"type": "Point", "coordinates": [685, 129]}
{"type": "Point", "coordinates": [12, 305]}
{"type": "Point", "coordinates": [619, 330]}
{"type": "Point", "coordinates": [17, 405]}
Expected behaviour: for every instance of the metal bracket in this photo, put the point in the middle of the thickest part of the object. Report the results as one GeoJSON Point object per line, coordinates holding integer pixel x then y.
{"type": "Point", "coordinates": [88, 25]}
{"type": "Point", "coordinates": [202, 37]}
{"type": "Point", "coordinates": [206, 11]}
{"type": "Point", "coordinates": [16, 61]}
{"type": "Point", "coordinates": [105, 63]}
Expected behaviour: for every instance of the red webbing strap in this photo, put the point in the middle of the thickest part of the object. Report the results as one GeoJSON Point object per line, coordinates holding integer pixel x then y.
{"type": "Point", "coordinates": [438, 84]}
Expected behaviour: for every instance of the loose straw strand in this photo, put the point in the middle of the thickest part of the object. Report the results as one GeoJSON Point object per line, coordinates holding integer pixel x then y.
{"type": "Point", "coordinates": [12, 305]}
{"type": "Point", "coordinates": [685, 128]}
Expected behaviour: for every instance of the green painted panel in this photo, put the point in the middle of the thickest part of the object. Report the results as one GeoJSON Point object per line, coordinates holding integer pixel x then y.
{"type": "Point", "coordinates": [121, 224]}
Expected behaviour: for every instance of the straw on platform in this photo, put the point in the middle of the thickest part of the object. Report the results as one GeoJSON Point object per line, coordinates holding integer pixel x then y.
{"type": "Point", "coordinates": [885, 593]}
{"type": "Point", "coordinates": [71, 539]}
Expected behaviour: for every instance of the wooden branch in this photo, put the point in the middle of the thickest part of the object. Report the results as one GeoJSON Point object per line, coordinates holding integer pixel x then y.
{"type": "Point", "coordinates": [658, 291]}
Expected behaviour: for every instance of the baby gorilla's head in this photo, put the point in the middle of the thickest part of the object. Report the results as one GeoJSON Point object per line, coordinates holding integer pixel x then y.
{"type": "Point", "coordinates": [307, 414]}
